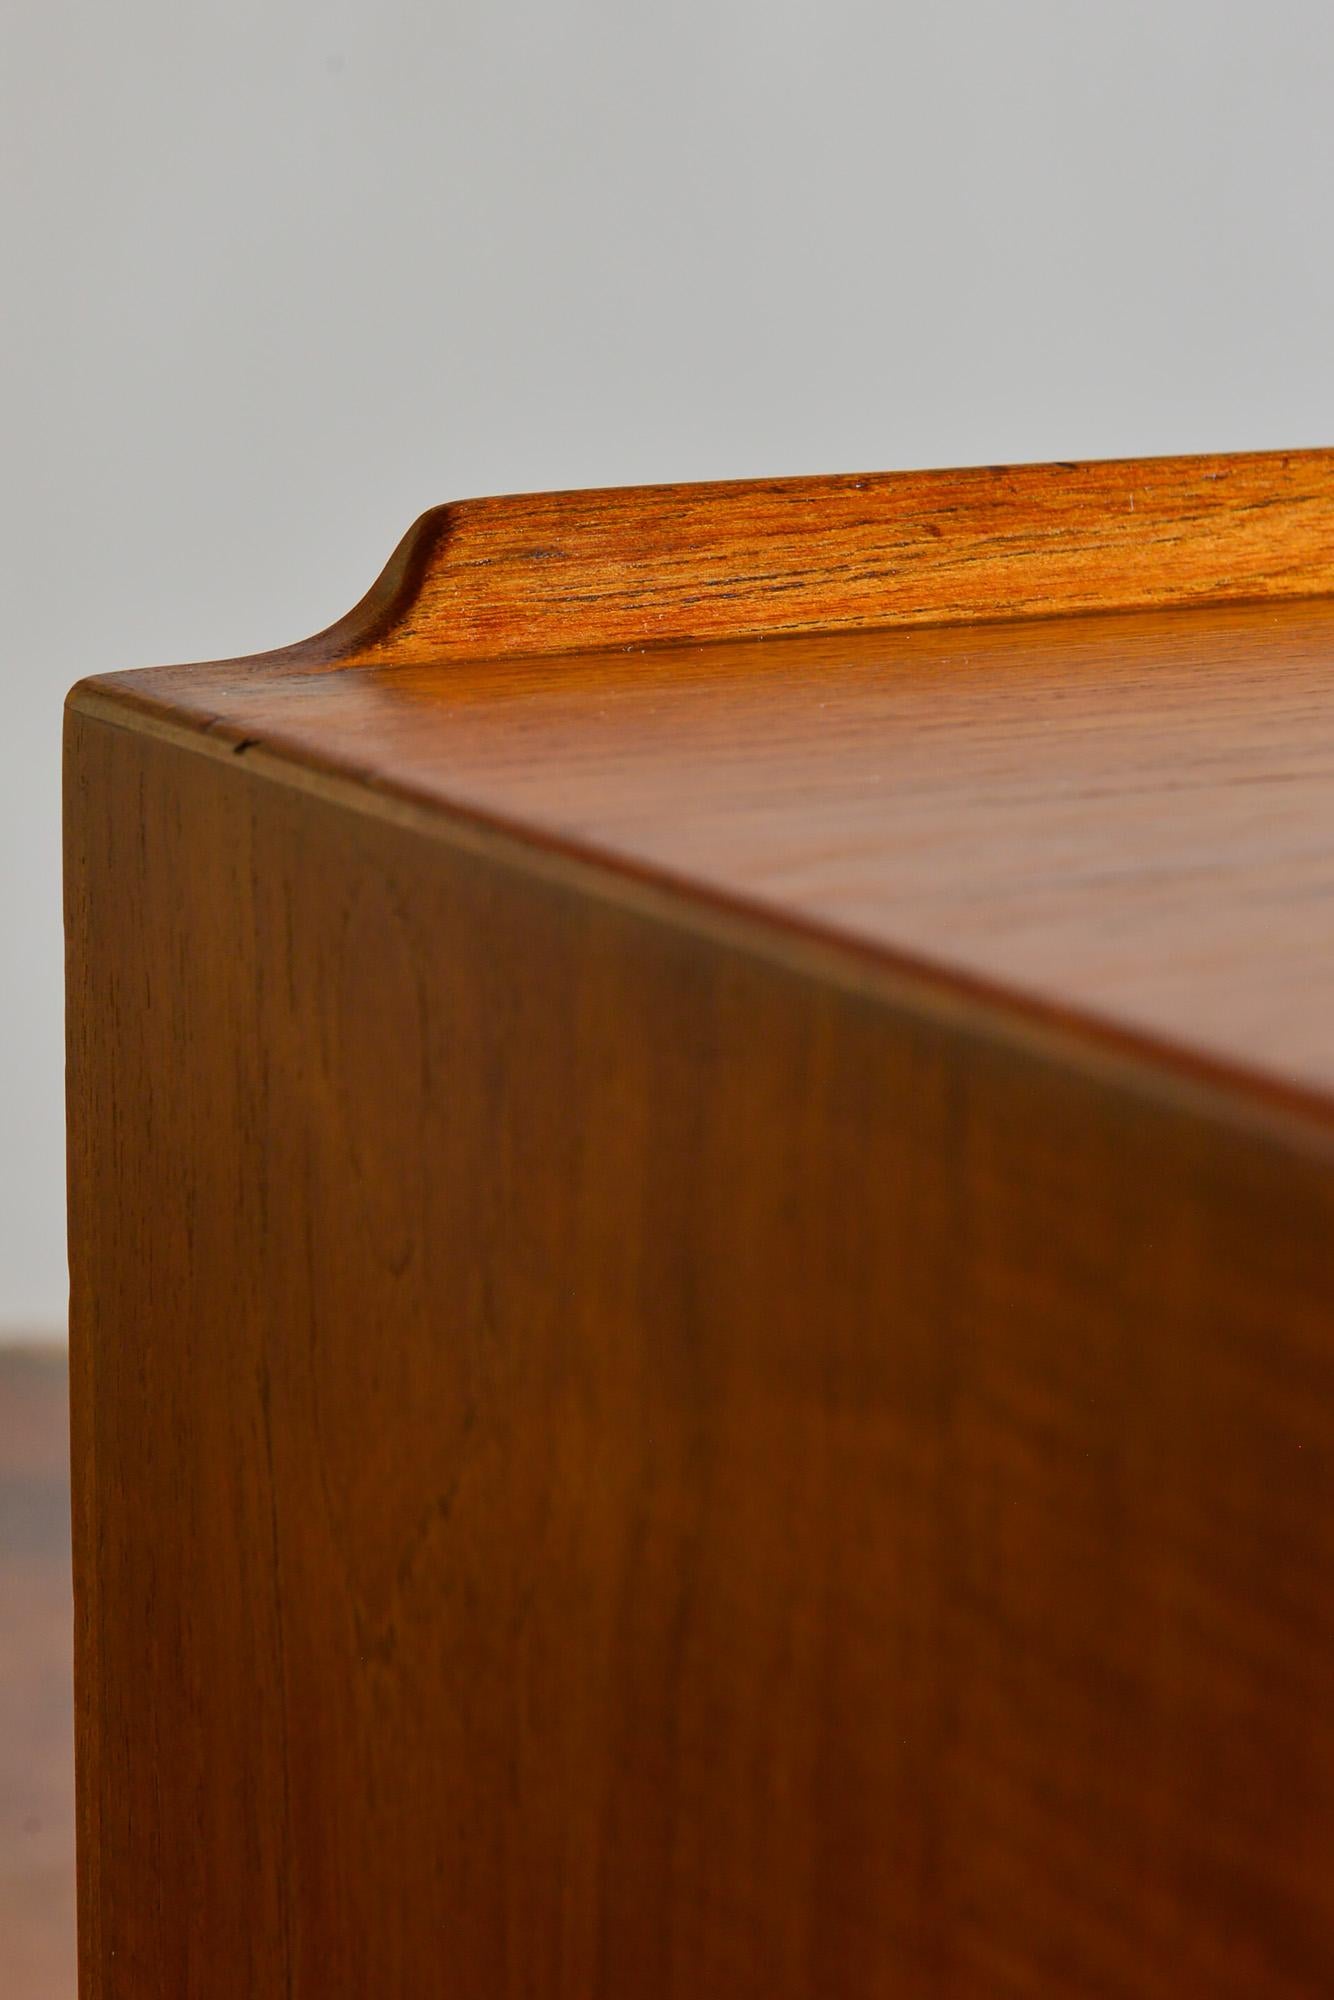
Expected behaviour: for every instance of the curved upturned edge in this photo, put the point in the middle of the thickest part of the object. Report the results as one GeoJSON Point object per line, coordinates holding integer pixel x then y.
{"type": "Point", "coordinates": [385, 606]}
{"type": "Point", "coordinates": [371, 622]}
{"type": "Point", "coordinates": [552, 573]}
{"type": "Point", "coordinates": [602, 568]}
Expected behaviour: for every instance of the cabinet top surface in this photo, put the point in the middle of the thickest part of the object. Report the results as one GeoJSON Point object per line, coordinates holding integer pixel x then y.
{"type": "Point", "coordinates": [1117, 808]}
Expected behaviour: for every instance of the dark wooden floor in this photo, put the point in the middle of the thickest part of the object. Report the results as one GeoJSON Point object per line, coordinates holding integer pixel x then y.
{"type": "Point", "coordinates": [36, 1719]}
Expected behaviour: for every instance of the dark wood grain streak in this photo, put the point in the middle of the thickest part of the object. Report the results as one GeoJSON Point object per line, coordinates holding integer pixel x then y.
{"type": "Point", "coordinates": [703, 1279]}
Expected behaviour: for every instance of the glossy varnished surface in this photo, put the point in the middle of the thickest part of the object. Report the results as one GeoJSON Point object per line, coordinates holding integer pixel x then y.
{"type": "Point", "coordinates": [1125, 818]}
{"type": "Point", "coordinates": [36, 1697]}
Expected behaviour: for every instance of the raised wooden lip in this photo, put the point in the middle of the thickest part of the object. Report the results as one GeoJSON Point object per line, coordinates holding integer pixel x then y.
{"type": "Point", "coordinates": [587, 570]}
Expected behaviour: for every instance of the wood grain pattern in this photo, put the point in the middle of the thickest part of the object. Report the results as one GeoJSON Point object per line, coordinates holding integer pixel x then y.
{"type": "Point", "coordinates": [702, 1345]}
{"type": "Point", "coordinates": [564, 572]}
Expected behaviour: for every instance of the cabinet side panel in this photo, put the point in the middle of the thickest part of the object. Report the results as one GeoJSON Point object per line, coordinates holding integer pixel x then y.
{"type": "Point", "coordinates": [607, 1464]}
{"type": "Point", "coordinates": [179, 1697]}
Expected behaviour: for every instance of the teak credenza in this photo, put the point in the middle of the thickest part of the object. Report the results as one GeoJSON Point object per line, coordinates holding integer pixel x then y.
{"type": "Point", "coordinates": [702, 1248]}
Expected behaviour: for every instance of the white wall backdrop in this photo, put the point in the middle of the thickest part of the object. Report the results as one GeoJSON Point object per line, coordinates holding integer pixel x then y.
{"type": "Point", "coordinates": [276, 276]}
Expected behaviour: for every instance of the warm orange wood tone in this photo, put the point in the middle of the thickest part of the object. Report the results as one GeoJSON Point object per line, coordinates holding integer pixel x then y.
{"type": "Point", "coordinates": [703, 1346]}
{"type": "Point", "coordinates": [36, 1704]}
{"type": "Point", "coordinates": [561, 572]}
